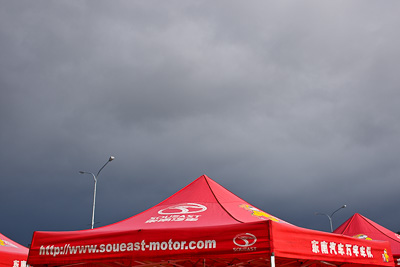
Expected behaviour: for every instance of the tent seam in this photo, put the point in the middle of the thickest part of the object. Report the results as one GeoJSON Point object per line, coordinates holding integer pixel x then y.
{"type": "Point", "coordinates": [212, 191]}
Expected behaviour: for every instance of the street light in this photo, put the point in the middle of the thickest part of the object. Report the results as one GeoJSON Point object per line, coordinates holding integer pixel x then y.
{"type": "Point", "coordinates": [330, 217]}
{"type": "Point", "coordinates": [95, 185]}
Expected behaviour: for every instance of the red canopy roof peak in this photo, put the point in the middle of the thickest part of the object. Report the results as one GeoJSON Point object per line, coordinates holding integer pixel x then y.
{"type": "Point", "coordinates": [360, 226]}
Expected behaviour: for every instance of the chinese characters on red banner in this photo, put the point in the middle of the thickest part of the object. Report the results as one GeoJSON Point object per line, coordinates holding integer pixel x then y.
{"type": "Point", "coordinates": [333, 248]}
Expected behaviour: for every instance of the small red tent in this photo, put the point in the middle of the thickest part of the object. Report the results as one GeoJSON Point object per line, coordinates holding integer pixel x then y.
{"type": "Point", "coordinates": [12, 254]}
{"type": "Point", "coordinates": [362, 227]}
{"type": "Point", "coordinates": [204, 224]}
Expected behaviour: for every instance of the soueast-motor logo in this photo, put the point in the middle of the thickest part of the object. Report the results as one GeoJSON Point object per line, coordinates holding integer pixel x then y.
{"type": "Point", "coordinates": [244, 242]}
{"type": "Point", "coordinates": [184, 208]}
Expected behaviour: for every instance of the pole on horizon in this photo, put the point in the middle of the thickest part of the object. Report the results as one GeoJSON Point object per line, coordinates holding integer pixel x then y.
{"type": "Point", "coordinates": [95, 177]}
{"type": "Point", "coordinates": [330, 216]}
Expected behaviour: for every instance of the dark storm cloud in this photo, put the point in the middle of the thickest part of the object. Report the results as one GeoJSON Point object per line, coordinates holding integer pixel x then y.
{"type": "Point", "coordinates": [290, 105]}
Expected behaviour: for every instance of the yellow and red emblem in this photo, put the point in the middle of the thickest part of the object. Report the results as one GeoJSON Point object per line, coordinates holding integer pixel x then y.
{"type": "Point", "coordinates": [362, 236]}
{"type": "Point", "coordinates": [259, 213]}
{"type": "Point", "coordinates": [385, 256]}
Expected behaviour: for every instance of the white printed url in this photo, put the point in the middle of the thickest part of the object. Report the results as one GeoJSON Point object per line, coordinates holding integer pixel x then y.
{"type": "Point", "coordinates": [67, 249]}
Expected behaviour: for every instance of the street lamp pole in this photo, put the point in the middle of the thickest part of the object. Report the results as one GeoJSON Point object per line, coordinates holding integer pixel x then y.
{"type": "Point", "coordinates": [330, 216]}
{"type": "Point", "coordinates": [95, 185]}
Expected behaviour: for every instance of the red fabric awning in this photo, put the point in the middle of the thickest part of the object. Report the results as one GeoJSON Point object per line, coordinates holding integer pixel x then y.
{"type": "Point", "coordinates": [203, 224]}
{"type": "Point", "coordinates": [12, 254]}
{"type": "Point", "coordinates": [364, 228]}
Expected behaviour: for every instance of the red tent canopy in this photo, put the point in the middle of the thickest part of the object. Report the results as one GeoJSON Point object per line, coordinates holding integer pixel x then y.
{"type": "Point", "coordinates": [204, 224]}
{"type": "Point", "coordinates": [12, 254]}
{"type": "Point", "coordinates": [362, 227]}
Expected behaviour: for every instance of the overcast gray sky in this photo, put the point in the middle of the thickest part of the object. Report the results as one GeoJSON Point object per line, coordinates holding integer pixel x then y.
{"type": "Point", "coordinates": [291, 105]}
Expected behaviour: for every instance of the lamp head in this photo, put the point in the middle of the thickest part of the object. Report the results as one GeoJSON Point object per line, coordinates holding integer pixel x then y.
{"type": "Point", "coordinates": [81, 172]}
{"type": "Point", "coordinates": [344, 206]}
{"type": "Point", "coordinates": [111, 158]}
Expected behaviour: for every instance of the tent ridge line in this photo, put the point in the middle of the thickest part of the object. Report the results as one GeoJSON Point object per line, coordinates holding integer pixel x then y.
{"type": "Point", "coordinates": [220, 202]}
{"type": "Point", "coordinates": [347, 225]}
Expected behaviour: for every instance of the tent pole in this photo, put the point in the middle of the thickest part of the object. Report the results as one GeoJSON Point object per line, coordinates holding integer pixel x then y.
{"type": "Point", "coordinates": [204, 262]}
{"type": "Point", "coordinates": [272, 259]}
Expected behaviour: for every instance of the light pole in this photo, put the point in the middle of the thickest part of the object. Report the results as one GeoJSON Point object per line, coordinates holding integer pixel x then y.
{"type": "Point", "coordinates": [330, 217]}
{"type": "Point", "coordinates": [95, 185]}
